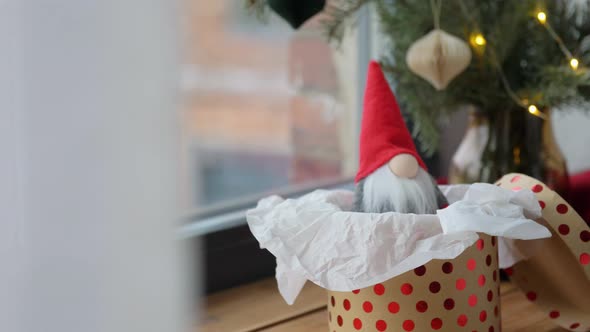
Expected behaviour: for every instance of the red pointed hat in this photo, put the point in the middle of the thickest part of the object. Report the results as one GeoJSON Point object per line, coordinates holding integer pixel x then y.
{"type": "Point", "coordinates": [384, 134]}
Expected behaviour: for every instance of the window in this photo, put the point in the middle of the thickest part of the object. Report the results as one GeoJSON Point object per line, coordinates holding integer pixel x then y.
{"type": "Point", "coordinates": [267, 110]}
{"type": "Point", "coordinates": [267, 107]}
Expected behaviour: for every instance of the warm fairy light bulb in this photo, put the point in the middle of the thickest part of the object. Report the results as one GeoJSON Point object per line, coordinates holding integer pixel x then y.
{"type": "Point", "coordinates": [479, 40]}
{"type": "Point", "coordinates": [542, 17]}
{"type": "Point", "coordinates": [533, 110]}
{"type": "Point", "coordinates": [574, 63]}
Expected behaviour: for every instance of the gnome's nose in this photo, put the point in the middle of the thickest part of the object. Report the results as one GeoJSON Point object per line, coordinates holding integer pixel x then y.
{"type": "Point", "coordinates": [404, 165]}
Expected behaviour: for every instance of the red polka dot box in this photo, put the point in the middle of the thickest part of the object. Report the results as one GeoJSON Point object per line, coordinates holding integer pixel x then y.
{"type": "Point", "coordinates": [556, 276]}
{"type": "Point", "coordinates": [461, 294]}
{"type": "Point", "coordinates": [396, 271]}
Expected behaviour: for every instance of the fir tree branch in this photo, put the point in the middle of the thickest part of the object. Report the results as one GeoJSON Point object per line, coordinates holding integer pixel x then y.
{"type": "Point", "coordinates": [519, 54]}
{"type": "Point", "coordinates": [338, 17]}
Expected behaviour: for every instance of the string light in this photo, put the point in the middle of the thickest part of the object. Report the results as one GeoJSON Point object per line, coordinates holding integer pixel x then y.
{"type": "Point", "coordinates": [542, 17]}
{"type": "Point", "coordinates": [479, 40]}
{"type": "Point", "coordinates": [535, 111]}
{"type": "Point", "coordinates": [574, 63]}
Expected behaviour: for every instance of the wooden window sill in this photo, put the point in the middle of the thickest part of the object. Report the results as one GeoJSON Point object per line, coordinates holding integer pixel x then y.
{"type": "Point", "coordinates": [259, 307]}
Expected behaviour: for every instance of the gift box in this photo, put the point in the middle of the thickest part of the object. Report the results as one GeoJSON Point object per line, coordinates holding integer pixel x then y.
{"type": "Point", "coordinates": [441, 295]}
{"type": "Point", "coordinates": [394, 271]}
{"type": "Point", "coordinates": [556, 273]}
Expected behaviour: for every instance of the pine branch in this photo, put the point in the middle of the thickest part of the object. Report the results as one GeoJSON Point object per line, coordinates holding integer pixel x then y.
{"type": "Point", "coordinates": [531, 62]}
{"type": "Point", "coordinates": [338, 17]}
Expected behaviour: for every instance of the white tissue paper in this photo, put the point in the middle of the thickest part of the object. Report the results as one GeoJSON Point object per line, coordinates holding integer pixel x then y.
{"type": "Point", "coordinates": [317, 238]}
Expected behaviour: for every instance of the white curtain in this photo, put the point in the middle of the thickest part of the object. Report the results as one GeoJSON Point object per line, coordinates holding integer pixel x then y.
{"type": "Point", "coordinates": [88, 168]}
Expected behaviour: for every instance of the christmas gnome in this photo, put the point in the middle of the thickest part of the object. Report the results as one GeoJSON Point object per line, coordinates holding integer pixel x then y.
{"type": "Point", "coordinates": [391, 176]}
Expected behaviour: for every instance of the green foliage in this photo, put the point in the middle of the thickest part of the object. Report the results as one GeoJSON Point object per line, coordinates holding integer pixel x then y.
{"type": "Point", "coordinates": [531, 62]}
{"type": "Point", "coordinates": [340, 15]}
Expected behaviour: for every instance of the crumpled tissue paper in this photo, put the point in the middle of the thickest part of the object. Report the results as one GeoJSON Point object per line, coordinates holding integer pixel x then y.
{"type": "Point", "coordinates": [317, 237]}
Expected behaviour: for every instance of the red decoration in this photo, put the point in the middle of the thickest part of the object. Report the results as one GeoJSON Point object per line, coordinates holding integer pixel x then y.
{"type": "Point", "coordinates": [479, 244]}
{"type": "Point", "coordinates": [379, 289]}
{"type": "Point", "coordinates": [346, 304]}
{"type": "Point", "coordinates": [421, 306]}
{"type": "Point", "coordinates": [462, 320]}
{"type": "Point", "coordinates": [381, 325]}
{"type": "Point", "coordinates": [471, 264]}
{"type": "Point", "coordinates": [408, 325]}
{"type": "Point", "coordinates": [407, 289]}
{"type": "Point", "coordinates": [420, 270]}
{"type": "Point", "coordinates": [383, 131]}
{"type": "Point", "coordinates": [460, 284]}
{"type": "Point", "coordinates": [357, 323]}
{"type": "Point", "coordinates": [481, 280]}
{"type": "Point", "coordinates": [393, 307]}
{"type": "Point", "coordinates": [436, 324]}
{"type": "Point", "coordinates": [483, 315]}
{"type": "Point", "coordinates": [449, 304]}
{"type": "Point", "coordinates": [472, 300]}
{"type": "Point", "coordinates": [563, 229]}
{"type": "Point", "coordinates": [542, 204]}
{"type": "Point", "coordinates": [434, 287]}
{"type": "Point", "coordinates": [368, 306]}
{"type": "Point", "coordinates": [447, 267]}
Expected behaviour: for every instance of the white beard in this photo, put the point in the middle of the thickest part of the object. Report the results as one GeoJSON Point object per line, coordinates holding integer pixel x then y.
{"type": "Point", "coordinates": [384, 191]}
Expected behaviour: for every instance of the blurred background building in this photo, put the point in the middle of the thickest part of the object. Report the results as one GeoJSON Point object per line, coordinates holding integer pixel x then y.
{"type": "Point", "coordinates": [264, 108]}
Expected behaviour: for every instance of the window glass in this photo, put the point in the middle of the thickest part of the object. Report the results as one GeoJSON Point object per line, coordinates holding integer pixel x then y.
{"type": "Point", "coordinates": [266, 106]}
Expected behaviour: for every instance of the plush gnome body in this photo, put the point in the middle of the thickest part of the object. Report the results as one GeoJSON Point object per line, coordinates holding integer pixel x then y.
{"type": "Point", "coordinates": [391, 175]}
